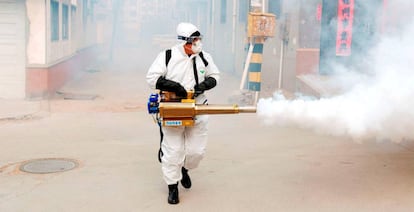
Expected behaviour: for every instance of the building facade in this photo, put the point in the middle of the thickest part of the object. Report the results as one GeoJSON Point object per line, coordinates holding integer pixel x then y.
{"type": "Point", "coordinates": [43, 44]}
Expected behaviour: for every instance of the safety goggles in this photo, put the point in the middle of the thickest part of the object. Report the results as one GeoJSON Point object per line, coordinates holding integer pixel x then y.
{"type": "Point", "coordinates": [191, 39]}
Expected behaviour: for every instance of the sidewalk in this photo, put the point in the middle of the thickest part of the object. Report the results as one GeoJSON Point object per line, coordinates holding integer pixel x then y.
{"type": "Point", "coordinates": [21, 109]}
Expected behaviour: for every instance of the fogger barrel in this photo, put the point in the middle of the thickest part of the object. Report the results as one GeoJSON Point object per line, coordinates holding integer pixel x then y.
{"type": "Point", "coordinates": [182, 114]}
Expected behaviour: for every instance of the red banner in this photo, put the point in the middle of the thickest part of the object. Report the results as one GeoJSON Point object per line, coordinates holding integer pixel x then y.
{"type": "Point", "coordinates": [344, 30]}
{"type": "Point", "coordinates": [319, 12]}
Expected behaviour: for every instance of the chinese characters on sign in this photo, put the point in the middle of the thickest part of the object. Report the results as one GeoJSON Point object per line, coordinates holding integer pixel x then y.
{"type": "Point", "coordinates": [319, 12]}
{"type": "Point", "coordinates": [344, 31]}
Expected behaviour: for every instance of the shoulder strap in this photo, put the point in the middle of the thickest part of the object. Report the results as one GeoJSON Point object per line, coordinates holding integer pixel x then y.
{"type": "Point", "coordinates": [204, 59]}
{"type": "Point", "coordinates": [167, 56]}
{"type": "Point", "coordinates": [195, 66]}
{"type": "Point", "coordinates": [195, 70]}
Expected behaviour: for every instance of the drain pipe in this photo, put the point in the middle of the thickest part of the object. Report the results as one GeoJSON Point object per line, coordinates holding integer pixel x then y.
{"type": "Point", "coordinates": [263, 5]}
{"type": "Point", "coordinates": [283, 44]}
{"type": "Point", "coordinates": [281, 64]}
{"type": "Point", "coordinates": [233, 37]}
{"type": "Point", "coordinates": [246, 65]}
{"type": "Point", "coordinates": [213, 29]}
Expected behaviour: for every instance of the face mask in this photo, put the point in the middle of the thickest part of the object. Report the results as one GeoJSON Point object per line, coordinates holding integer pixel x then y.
{"type": "Point", "coordinates": [197, 47]}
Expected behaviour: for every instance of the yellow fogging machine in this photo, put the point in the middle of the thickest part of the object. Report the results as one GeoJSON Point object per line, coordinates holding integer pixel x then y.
{"type": "Point", "coordinates": [175, 111]}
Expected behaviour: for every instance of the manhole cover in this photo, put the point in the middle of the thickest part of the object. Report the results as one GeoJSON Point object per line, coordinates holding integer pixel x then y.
{"type": "Point", "coordinates": [48, 165]}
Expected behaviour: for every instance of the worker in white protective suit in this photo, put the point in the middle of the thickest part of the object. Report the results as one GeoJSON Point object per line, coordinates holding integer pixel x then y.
{"type": "Point", "coordinates": [183, 147]}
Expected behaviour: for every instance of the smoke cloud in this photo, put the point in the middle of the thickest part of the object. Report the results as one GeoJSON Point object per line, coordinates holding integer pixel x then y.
{"type": "Point", "coordinates": [377, 104]}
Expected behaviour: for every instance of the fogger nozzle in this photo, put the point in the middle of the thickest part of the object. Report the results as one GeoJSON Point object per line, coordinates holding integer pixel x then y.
{"type": "Point", "coordinates": [223, 109]}
{"type": "Point", "coordinates": [171, 109]}
{"type": "Point", "coordinates": [247, 109]}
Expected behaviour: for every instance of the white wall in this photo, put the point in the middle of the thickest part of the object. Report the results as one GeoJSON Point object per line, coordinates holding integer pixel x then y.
{"type": "Point", "coordinates": [41, 50]}
{"type": "Point", "coordinates": [36, 43]}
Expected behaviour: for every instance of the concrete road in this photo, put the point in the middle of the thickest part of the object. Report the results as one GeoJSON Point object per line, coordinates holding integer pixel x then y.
{"type": "Point", "coordinates": [248, 166]}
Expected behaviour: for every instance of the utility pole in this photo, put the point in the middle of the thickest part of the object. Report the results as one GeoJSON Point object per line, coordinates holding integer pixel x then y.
{"type": "Point", "coordinates": [260, 25]}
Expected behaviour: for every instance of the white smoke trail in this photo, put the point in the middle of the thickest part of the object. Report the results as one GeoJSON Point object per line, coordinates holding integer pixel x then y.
{"type": "Point", "coordinates": [378, 107]}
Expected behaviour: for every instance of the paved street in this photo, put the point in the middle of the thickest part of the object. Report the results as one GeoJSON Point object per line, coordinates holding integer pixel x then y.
{"type": "Point", "coordinates": [248, 166]}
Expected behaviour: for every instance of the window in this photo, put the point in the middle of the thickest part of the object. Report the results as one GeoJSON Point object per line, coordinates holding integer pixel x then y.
{"type": "Point", "coordinates": [223, 11]}
{"type": "Point", "coordinates": [54, 15]}
{"type": "Point", "coordinates": [73, 21]}
{"type": "Point", "coordinates": [275, 7]}
{"type": "Point", "coordinates": [85, 11]}
{"type": "Point", "coordinates": [243, 10]}
{"type": "Point", "coordinates": [65, 22]}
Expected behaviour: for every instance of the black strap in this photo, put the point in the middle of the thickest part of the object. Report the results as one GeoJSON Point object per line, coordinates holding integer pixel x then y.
{"type": "Point", "coordinates": [195, 66]}
{"type": "Point", "coordinates": [203, 59]}
{"type": "Point", "coordinates": [195, 70]}
{"type": "Point", "coordinates": [167, 57]}
{"type": "Point", "coordinates": [160, 153]}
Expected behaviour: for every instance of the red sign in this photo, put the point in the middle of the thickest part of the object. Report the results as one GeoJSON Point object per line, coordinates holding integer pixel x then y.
{"type": "Point", "coordinates": [319, 12]}
{"type": "Point", "coordinates": [344, 30]}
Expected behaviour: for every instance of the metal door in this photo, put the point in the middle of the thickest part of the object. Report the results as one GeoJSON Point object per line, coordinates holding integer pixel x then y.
{"type": "Point", "coordinates": [12, 49]}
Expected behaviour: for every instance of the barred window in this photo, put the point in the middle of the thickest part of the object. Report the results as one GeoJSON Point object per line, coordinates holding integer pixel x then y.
{"type": "Point", "coordinates": [243, 10]}
{"type": "Point", "coordinates": [65, 22]}
{"type": "Point", "coordinates": [223, 10]}
{"type": "Point", "coordinates": [73, 24]}
{"type": "Point", "coordinates": [54, 16]}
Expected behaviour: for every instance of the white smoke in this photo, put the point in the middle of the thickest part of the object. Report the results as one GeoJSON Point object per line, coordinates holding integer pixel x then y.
{"type": "Point", "coordinates": [378, 106]}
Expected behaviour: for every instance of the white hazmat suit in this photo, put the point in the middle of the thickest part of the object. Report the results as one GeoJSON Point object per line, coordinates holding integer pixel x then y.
{"type": "Point", "coordinates": [183, 146]}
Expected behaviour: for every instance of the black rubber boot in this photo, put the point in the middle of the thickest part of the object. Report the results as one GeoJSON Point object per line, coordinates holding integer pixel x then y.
{"type": "Point", "coordinates": [185, 181]}
{"type": "Point", "coordinates": [173, 194]}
